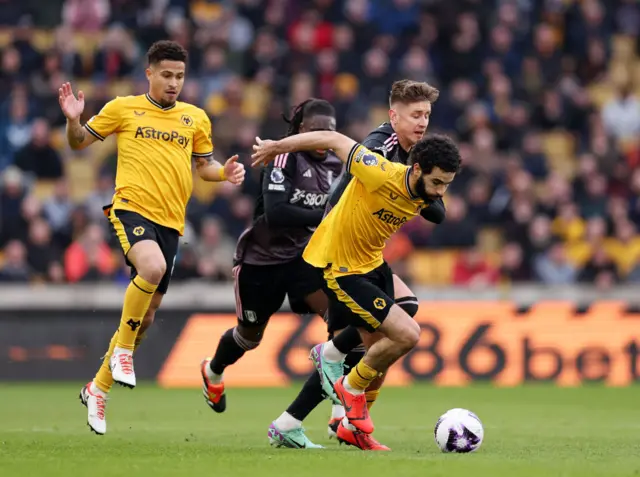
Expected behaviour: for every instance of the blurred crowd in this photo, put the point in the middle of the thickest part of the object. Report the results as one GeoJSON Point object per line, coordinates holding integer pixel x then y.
{"type": "Point", "coordinates": [540, 95]}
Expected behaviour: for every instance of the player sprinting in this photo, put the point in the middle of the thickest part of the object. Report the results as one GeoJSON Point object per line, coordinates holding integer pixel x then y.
{"type": "Point", "coordinates": [410, 104]}
{"type": "Point", "coordinates": [157, 139]}
{"type": "Point", "coordinates": [349, 242]}
{"type": "Point", "coordinates": [268, 258]}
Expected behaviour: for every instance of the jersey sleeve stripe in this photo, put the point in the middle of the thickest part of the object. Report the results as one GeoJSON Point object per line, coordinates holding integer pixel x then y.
{"type": "Point", "coordinates": [201, 154]}
{"type": "Point", "coordinates": [92, 131]}
{"type": "Point", "coordinates": [351, 154]}
{"type": "Point", "coordinates": [391, 139]}
{"type": "Point", "coordinates": [281, 160]}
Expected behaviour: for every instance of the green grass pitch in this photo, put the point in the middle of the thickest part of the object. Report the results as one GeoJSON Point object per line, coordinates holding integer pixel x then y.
{"type": "Point", "coordinates": [529, 431]}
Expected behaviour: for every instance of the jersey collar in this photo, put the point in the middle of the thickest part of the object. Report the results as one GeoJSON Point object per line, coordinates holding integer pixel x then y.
{"type": "Point", "coordinates": [406, 183]}
{"type": "Point", "coordinates": [158, 105]}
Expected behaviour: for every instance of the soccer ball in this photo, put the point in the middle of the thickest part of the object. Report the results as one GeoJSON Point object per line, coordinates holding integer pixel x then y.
{"type": "Point", "coordinates": [458, 430]}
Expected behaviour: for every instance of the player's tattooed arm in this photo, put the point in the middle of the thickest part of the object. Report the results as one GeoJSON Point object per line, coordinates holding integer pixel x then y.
{"type": "Point", "coordinates": [206, 161]}
{"type": "Point", "coordinates": [72, 109]}
{"type": "Point", "coordinates": [208, 168]}
{"type": "Point", "coordinates": [76, 134]}
{"type": "Point", "coordinates": [211, 170]}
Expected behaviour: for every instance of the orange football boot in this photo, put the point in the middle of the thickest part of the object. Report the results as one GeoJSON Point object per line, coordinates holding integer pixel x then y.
{"type": "Point", "coordinates": [359, 439]}
{"type": "Point", "coordinates": [213, 393]}
{"type": "Point", "coordinates": [355, 407]}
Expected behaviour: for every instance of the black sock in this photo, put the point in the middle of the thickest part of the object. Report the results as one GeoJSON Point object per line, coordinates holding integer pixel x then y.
{"type": "Point", "coordinates": [308, 398]}
{"type": "Point", "coordinates": [353, 357]}
{"type": "Point", "coordinates": [228, 352]}
{"type": "Point", "coordinates": [348, 339]}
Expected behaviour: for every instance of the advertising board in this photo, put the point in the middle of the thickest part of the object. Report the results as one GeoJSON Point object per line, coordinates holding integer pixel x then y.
{"type": "Point", "coordinates": [461, 342]}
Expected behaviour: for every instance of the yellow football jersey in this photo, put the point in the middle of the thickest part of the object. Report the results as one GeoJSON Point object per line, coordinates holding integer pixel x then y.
{"type": "Point", "coordinates": [155, 149]}
{"type": "Point", "coordinates": [373, 207]}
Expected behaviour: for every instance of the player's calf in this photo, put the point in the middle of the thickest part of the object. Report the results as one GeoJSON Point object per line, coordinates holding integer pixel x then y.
{"type": "Point", "coordinates": [399, 335]}
{"type": "Point", "coordinates": [233, 344]}
{"type": "Point", "coordinates": [150, 266]}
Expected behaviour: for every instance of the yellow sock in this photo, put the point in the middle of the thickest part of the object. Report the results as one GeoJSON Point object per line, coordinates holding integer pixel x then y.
{"type": "Point", "coordinates": [361, 376]}
{"type": "Point", "coordinates": [104, 379]}
{"type": "Point", "coordinates": [371, 397]}
{"type": "Point", "coordinates": [136, 303]}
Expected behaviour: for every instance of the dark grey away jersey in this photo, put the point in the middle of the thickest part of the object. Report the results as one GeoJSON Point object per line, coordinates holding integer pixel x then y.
{"type": "Point", "coordinates": [295, 188]}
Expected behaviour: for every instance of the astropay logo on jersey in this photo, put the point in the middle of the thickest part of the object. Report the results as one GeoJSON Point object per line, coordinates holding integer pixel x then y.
{"type": "Point", "coordinates": [389, 217]}
{"type": "Point", "coordinates": [148, 132]}
{"type": "Point", "coordinates": [311, 199]}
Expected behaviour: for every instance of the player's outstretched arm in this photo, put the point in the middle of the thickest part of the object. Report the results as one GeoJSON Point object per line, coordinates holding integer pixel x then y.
{"type": "Point", "coordinates": [211, 170]}
{"type": "Point", "coordinates": [77, 135]}
{"type": "Point", "coordinates": [266, 151]}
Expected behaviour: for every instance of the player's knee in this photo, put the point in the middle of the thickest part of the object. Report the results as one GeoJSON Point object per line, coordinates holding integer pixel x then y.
{"type": "Point", "coordinates": [152, 269]}
{"type": "Point", "coordinates": [408, 336]}
{"type": "Point", "coordinates": [414, 333]}
{"type": "Point", "coordinates": [249, 337]}
{"type": "Point", "coordinates": [409, 304]}
{"type": "Point", "coordinates": [148, 260]}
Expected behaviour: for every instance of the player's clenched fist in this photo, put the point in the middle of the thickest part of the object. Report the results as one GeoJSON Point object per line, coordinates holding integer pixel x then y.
{"type": "Point", "coordinates": [71, 107]}
{"type": "Point", "coordinates": [234, 170]}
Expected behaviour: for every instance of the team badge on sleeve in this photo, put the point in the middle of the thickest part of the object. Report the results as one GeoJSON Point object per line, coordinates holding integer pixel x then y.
{"type": "Point", "coordinates": [277, 177]}
{"type": "Point", "coordinates": [370, 160]}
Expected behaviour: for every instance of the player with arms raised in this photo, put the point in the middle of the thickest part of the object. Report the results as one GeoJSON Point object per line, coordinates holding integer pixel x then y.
{"type": "Point", "coordinates": [349, 242]}
{"type": "Point", "coordinates": [410, 104]}
{"type": "Point", "coordinates": [158, 137]}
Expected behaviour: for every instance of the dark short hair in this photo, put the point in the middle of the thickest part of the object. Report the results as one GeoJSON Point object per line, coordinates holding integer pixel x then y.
{"type": "Point", "coordinates": [436, 150]}
{"type": "Point", "coordinates": [407, 91]}
{"type": "Point", "coordinates": [166, 50]}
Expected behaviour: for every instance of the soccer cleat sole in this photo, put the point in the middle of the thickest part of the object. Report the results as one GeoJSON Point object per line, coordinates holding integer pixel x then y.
{"type": "Point", "coordinates": [125, 385]}
{"type": "Point", "coordinates": [94, 431]}
{"type": "Point", "coordinates": [220, 406]}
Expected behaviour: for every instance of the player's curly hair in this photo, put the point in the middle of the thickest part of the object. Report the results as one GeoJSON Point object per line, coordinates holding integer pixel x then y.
{"type": "Point", "coordinates": [306, 109]}
{"type": "Point", "coordinates": [166, 50]}
{"type": "Point", "coordinates": [436, 150]}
